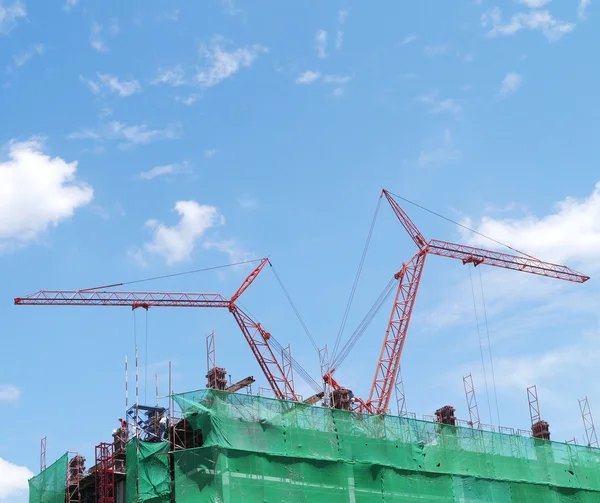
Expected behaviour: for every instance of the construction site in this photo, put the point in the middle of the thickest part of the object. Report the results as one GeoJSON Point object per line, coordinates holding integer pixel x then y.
{"type": "Point", "coordinates": [225, 443]}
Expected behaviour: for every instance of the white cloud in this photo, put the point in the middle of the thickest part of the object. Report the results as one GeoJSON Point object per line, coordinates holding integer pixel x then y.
{"type": "Point", "coordinates": [36, 192]}
{"type": "Point", "coordinates": [408, 39]}
{"type": "Point", "coordinates": [511, 83]}
{"type": "Point", "coordinates": [176, 243]}
{"type": "Point", "coordinates": [337, 79]}
{"type": "Point", "coordinates": [167, 169]}
{"type": "Point", "coordinates": [307, 77]}
{"type": "Point", "coordinates": [533, 4]}
{"type": "Point", "coordinates": [96, 38]}
{"type": "Point", "coordinates": [70, 4]}
{"type": "Point", "coordinates": [188, 100]}
{"type": "Point", "coordinates": [174, 76]}
{"type": "Point", "coordinates": [248, 203]}
{"type": "Point", "coordinates": [13, 480]}
{"type": "Point", "coordinates": [437, 105]}
{"type": "Point", "coordinates": [208, 153]}
{"type": "Point", "coordinates": [583, 6]}
{"type": "Point", "coordinates": [111, 83]}
{"type": "Point", "coordinates": [115, 130]}
{"type": "Point", "coordinates": [9, 15]}
{"type": "Point", "coordinates": [231, 248]}
{"type": "Point", "coordinates": [569, 235]}
{"type": "Point", "coordinates": [222, 64]}
{"type": "Point", "coordinates": [23, 57]}
{"type": "Point", "coordinates": [552, 28]}
{"type": "Point", "coordinates": [438, 155]}
{"type": "Point", "coordinates": [338, 92]}
{"type": "Point", "coordinates": [435, 50]}
{"type": "Point", "coordinates": [321, 43]}
{"type": "Point", "coordinates": [339, 37]}
{"type": "Point", "coordinates": [9, 393]}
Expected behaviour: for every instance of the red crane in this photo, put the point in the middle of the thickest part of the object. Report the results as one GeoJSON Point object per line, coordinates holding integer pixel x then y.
{"type": "Point", "coordinates": [409, 278]}
{"type": "Point", "coordinates": [256, 336]}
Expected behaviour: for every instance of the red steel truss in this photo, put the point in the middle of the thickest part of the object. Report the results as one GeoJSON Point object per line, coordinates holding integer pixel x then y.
{"type": "Point", "coordinates": [105, 473]}
{"type": "Point", "coordinates": [409, 278]}
{"type": "Point", "coordinates": [256, 336]}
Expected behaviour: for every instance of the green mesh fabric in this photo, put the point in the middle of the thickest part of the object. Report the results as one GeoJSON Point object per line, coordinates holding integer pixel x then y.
{"type": "Point", "coordinates": [50, 486]}
{"type": "Point", "coordinates": [264, 450]}
{"type": "Point", "coordinates": [148, 474]}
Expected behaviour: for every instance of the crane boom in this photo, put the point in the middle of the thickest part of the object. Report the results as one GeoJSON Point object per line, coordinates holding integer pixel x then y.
{"type": "Point", "coordinates": [256, 336]}
{"type": "Point", "coordinates": [128, 299]}
{"type": "Point", "coordinates": [477, 256]}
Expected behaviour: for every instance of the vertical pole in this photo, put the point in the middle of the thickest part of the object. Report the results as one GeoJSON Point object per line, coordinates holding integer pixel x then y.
{"type": "Point", "coordinates": [171, 411]}
{"type": "Point", "coordinates": [43, 454]}
{"type": "Point", "coordinates": [137, 390]}
{"type": "Point", "coordinates": [471, 401]}
{"type": "Point", "coordinates": [400, 395]}
{"type": "Point", "coordinates": [126, 388]}
{"type": "Point", "coordinates": [324, 363]}
{"type": "Point", "coordinates": [156, 381]}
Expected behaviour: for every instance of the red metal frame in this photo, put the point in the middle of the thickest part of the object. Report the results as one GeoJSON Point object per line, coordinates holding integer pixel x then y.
{"type": "Point", "coordinates": [105, 473]}
{"type": "Point", "coordinates": [256, 336]}
{"type": "Point", "coordinates": [410, 276]}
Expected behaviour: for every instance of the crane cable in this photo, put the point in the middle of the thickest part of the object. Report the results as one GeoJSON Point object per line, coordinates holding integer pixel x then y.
{"type": "Point", "coordinates": [355, 284]}
{"type": "Point", "coordinates": [487, 391]}
{"type": "Point", "coordinates": [296, 366]}
{"type": "Point", "coordinates": [287, 295]}
{"type": "Point", "coordinates": [489, 347]}
{"type": "Point", "coordinates": [360, 330]}
{"type": "Point", "coordinates": [463, 226]}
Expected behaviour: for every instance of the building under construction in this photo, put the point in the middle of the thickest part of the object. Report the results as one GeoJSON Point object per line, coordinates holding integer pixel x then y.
{"type": "Point", "coordinates": [226, 446]}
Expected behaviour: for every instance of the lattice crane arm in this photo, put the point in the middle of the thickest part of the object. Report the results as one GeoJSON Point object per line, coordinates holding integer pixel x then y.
{"type": "Point", "coordinates": [409, 278]}
{"type": "Point", "coordinates": [254, 334]}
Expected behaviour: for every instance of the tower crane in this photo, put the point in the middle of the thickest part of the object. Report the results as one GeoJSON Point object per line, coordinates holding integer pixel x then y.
{"type": "Point", "coordinates": [409, 278]}
{"type": "Point", "coordinates": [256, 336]}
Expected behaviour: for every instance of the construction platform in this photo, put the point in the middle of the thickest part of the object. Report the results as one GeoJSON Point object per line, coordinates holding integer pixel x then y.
{"type": "Point", "coordinates": [230, 447]}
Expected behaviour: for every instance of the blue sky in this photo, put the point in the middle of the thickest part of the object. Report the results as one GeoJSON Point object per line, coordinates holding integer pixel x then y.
{"type": "Point", "coordinates": [147, 140]}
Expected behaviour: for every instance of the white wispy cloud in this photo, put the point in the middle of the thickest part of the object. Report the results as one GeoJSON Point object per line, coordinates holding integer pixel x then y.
{"type": "Point", "coordinates": [174, 76]}
{"type": "Point", "coordinates": [511, 83]}
{"type": "Point", "coordinates": [308, 77]}
{"type": "Point", "coordinates": [39, 192]}
{"type": "Point", "coordinates": [188, 100]}
{"type": "Point", "coordinates": [408, 39]}
{"type": "Point", "coordinates": [13, 480]}
{"type": "Point", "coordinates": [435, 50]}
{"type": "Point", "coordinates": [23, 57]}
{"type": "Point", "coordinates": [9, 393]}
{"type": "Point", "coordinates": [321, 43]}
{"type": "Point", "coordinates": [436, 104]}
{"type": "Point", "coordinates": [111, 83]}
{"type": "Point", "coordinates": [337, 79]}
{"type": "Point", "coordinates": [10, 13]}
{"type": "Point", "coordinates": [221, 64]}
{"type": "Point", "coordinates": [97, 39]}
{"type": "Point", "coordinates": [552, 28]}
{"type": "Point", "coordinates": [127, 135]}
{"type": "Point", "coordinates": [211, 152]}
{"type": "Point", "coordinates": [534, 4]}
{"type": "Point", "coordinates": [248, 203]}
{"type": "Point", "coordinates": [177, 243]}
{"type": "Point", "coordinates": [339, 37]}
{"type": "Point", "coordinates": [176, 168]}
{"type": "Point", "coordinates": [583, 6]}
{"type": "Point", "coordinates": [70, 4]}
{"type": "Point", "coordinates": [440, 154]}
{"type": "Point", "coordinates": [338, 92]}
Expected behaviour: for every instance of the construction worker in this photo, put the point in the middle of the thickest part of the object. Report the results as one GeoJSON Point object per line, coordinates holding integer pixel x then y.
{"type": "Point", "coordinates": [123, 423]}
{"type": "Point", "coordinates": [162, 424]}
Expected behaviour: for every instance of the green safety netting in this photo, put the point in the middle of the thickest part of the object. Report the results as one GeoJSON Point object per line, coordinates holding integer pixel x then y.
{"type": "Point", "coordinates": [148, 473]}
{"type": "Point", "coordinates": [50, 486]}
{"type": "Point", "coordinates": [258, 449]}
